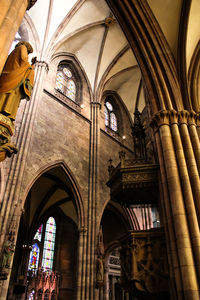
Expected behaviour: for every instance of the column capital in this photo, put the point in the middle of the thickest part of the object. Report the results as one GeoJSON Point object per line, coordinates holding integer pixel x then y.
{"type": "Point", "coordinates": [192, 118]}
{"type": "Point", "coordinates": [197, 119]}
{"type": "Point", "coordinates": [173, 116]}
{"type": "Point", "coordinates": [42, 63]}
{"type": "Point", "coordinates": [96, 103]}
{"type": "Point", "coordinates": [160, 118]}
{"type": "Point", "coordinates": [82, 230]}
{"type": "Point", "coordinates": [183, 116]}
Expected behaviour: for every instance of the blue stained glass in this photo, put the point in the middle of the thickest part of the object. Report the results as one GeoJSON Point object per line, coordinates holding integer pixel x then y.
{"type": "Point", "coordinates": [34, 257]}
{"type": "Point", "coordinates": [49, 244]}
{"type": "Point", "coordinates": [38, 235]}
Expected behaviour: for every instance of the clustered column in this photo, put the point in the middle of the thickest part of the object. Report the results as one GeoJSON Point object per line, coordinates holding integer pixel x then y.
{"type": "Point", "coordinates": [181, 191]}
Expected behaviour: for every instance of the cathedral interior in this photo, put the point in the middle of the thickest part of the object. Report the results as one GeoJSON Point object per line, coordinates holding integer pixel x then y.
{"type": "Point", "coordinates": [100, 161]}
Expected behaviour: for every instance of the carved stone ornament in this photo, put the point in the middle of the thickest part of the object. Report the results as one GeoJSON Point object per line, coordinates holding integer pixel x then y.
{"type": "Point", "coordinates": [6, 256]}
{"type": "Point", "coordinates": [6, 131]}
{"type": "Point", "coordinates": [134, 182]}
{"type": "Point", "coordinates": [144, 270]}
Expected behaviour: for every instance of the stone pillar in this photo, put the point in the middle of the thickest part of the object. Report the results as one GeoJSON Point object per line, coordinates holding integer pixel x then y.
{"type": "Point", "coordinates": [11, 15]}
{"type": "Point", "coordinates": [90, 272]}
{"type": "Point", "coordinates": [11, 203]}
{"type": "Point", "coordinates": [190, 158]}
{"type": "Point", "coordinates": [81, 263]}
{"type": "Point", "coordinates": [173, 167]}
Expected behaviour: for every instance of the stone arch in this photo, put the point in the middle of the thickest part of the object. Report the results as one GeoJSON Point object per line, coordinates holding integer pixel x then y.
{"type": "Point", "coordinates": [73, 185]}
{"type": "Point", "coordinates": [152, 53]}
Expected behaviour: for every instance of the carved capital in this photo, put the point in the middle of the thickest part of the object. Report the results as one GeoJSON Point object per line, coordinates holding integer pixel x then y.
{"type": "Point", "coordinates": [183, 116]}
{"type": "Point", "coordinates": [83, 230]}
{"type": "Point", "coordinates": [6, 131]}
{"type": "Point", "coordinates": [42, 63]}
{"type": "Point", "coordinates": [173, 117]}
{"type": "Point", "coordinates": [197, 119]}
{"type": "Point", "coordinates": [160, 118]}
{"type": "Point", "coordinates": [192, 118]}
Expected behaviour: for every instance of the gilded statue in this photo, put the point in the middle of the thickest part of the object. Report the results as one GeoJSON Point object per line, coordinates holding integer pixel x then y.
{"type": "Point", "coordinates": [16, 83]}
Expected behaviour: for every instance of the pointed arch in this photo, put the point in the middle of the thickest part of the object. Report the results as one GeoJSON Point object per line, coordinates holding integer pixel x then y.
{"type": "Point", "coordinates": [73, 185]}
{"type": "Point", "coordinates": [152, 52]}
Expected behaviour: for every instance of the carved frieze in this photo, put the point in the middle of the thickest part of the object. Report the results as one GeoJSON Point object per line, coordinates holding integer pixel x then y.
{"type": "Point", "coordinates": [134, 183]}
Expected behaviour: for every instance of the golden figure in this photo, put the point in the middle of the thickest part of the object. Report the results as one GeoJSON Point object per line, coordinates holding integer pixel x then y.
{"type": "Point", "coordinates": [16, 80]}
{"type": "Point", "coordinates": [16, 83]}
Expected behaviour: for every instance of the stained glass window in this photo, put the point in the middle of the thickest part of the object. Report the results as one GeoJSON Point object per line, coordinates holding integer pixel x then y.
{"type": "Point", "coordinates": [34, 257]}
{"type": "Point", "coordinates": [106, 116]}
{"type": "Point", "coordinates": [65, 82]}
{"type": "Point", "coordinates": [110, 117]}
{"type": "Point", "coordinates": [31, 295]}
{"type": "Point", "coordinates": [49, 244]}
{"type": "Point", "coordinates": [113, 121]}
{"type": "Point", "coordinates": [38, 235]}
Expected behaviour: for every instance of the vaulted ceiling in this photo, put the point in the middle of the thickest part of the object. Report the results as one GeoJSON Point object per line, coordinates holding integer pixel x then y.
{"type": "Point", "coordinates": [88, 29]}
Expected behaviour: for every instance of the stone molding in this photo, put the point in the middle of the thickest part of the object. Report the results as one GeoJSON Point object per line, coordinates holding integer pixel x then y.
{"type": "Point", "coordinates": [42, 63]}
{"type": "Point", "coordinates": [170, 117]}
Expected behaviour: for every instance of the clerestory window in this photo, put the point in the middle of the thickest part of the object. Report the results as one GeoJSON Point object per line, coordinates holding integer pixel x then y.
{"type": "Point", "coordinates": [110, 116]}
{"type": "Point", "coordinates": [66, 82]}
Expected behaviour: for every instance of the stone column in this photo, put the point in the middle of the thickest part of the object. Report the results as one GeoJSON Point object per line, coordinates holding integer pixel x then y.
{"type": "Point", "coordinates": [81, 263]}
{"type": "Point", "coordinates": [175, 279]}
{"type": "Point", "coordinates": [182, 156]}
{"type": "Point", "coordinates": [12, 13]}
{"type": "Point", "coordinates": [190, 158]}
{"type": "Point", "coordinates": [90, 271]}
{"type": "Point", "coordinates": [168, 161]}
{"type": "Point", "coordinates": [11, 203]}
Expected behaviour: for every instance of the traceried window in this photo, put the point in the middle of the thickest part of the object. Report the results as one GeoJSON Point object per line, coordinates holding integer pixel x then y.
{"type": "Point", "coordinates": [43, 244]}
{"type": "Point", "coordinates": [110, 116]}
{"type": "Point", "coordinates": [49, 244]}
{"type": "Point", "coordinates": [65, 82]}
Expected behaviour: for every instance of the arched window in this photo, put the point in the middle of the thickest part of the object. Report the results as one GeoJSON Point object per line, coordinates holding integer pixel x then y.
{"type": "Point", "coordinates": [110, 116]}
{"type": "Point", "coordinates": [31, 296]}
{"type": "Point", "coordinates": [49, 244]}
{"type": "Point", "coordinates": [66, 82]}
{"type": "Point", "coordinates": [34, 257]}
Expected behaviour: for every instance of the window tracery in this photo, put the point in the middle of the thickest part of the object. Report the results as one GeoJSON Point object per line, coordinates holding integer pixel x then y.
{"type": "Point", "coordinates": [65, 82]}
{"type": "Point", "coordinates": [110, 116]}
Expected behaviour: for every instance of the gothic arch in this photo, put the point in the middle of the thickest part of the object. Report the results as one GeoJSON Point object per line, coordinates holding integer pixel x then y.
{"type": "Point", "coordinates": [152, 52]}
{"type": "Point", "coordinates": [72, 184]}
